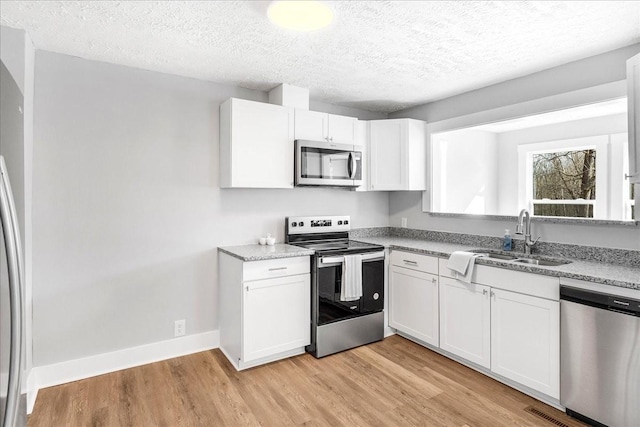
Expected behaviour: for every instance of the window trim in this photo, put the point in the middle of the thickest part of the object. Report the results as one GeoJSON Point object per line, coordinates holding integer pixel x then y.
{"type": "Point", "coordinates": [525, 163]}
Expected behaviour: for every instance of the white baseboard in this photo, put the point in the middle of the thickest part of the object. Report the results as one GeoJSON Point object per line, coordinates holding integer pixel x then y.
{"type": "Point", "coordinates": [78, 369]}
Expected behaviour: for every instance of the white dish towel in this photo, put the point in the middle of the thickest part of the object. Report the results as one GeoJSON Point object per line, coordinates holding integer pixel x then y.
{"type": "Point", "coordinates": [351, 278]}
{"type": "Point", "coordinates": [463, 263]}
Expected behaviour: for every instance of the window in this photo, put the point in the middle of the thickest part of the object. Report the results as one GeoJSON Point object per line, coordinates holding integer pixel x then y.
{"type": "Point", "coordinates": [488, 169]}
{"type": "Point", "coordinates": [576, 178]}
{"type": "Point", "coordinates": [564, 183]}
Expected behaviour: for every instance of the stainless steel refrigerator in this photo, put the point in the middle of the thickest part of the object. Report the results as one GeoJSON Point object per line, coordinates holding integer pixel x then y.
{"type": "Point", "coordinates": [12, 334]}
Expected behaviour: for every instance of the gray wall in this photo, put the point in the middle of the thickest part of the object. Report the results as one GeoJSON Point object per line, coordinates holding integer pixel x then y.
{"type": "Point", "coordinates": [127, 209]}
{"type": "Point", "coordinates": [599, 70]}
{"type": "Point", "coordinates": [593, 71]}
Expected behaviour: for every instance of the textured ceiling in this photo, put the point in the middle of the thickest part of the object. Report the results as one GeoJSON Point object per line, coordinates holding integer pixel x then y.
{"type": "Point", "coordinates": [377, 55]}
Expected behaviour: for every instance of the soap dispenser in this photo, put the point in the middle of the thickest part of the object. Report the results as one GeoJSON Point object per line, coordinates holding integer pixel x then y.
{"type": "Point", "coordinates": [507, 241]}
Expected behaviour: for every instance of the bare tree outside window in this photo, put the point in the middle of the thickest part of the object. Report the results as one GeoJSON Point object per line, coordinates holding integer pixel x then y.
{"type": "Point", "coordinates": [568, 176]}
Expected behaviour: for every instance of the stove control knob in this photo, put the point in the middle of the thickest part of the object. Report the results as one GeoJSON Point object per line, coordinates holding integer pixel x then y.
{"type": "Point", "coordinates": [339, 222]}
{"type": "Point", "coordinates": [293, 224]}
{"type": "Point", "coordinates": [346, 222]}
{"type": "Point", "coordinates": [376, 296]}
{"type": "Point", "coordinates": [301, 224]}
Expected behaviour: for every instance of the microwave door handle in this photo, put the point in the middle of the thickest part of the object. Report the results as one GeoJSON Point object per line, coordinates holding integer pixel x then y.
{"type": "Point", "coordinates": [354, 166]}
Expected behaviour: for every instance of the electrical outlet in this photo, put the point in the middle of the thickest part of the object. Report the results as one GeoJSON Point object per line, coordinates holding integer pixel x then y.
{"type": "Point", "coordinates": [404, 222]}
{"type": "Point", "coordinates": [180, 328]}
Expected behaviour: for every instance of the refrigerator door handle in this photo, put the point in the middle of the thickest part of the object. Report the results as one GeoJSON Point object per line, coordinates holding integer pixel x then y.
{"type": "Point", "coordinates": [14, 258]}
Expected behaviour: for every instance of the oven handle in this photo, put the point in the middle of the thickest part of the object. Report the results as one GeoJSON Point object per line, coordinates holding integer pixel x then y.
{"type": "Point", "coordinates": [372, 256]}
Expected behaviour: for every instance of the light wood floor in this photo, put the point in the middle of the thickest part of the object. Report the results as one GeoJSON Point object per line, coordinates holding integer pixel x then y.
{"type": "Point", "coordinates": [390, 383]}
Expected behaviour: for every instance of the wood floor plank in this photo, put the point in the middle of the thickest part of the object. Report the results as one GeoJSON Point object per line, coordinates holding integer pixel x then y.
{"type": "Point", "coordinates": [394, 382]}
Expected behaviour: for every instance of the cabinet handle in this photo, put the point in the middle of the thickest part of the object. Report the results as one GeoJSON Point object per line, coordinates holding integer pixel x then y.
{"type": "Point", "coordinates": [277, 268]}
{"type": "Point", "coordinates": [493, 294]}
{"type": "Point", "coordinates": [410, 262]}
{"type": "Point", "coordinates": [434, 280]}
{"type": "Point", "coordinates": [484, 292]}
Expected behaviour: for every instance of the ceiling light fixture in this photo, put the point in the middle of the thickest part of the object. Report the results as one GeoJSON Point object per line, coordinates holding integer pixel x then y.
{"type": "Point", "coordinates": [300, 15]}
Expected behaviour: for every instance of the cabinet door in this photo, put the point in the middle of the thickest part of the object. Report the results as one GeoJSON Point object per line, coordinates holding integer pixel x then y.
{"type": "Point", "coordinates": [276, 316]}
{"type": "Point", "coordinates": [311, 125]}
{"type": "Point", "coordinates": [525, 340]}
{"type": "Point", "coordinates": [343, 129]}
{"type": "Point", "coordinates": [465, 320]}
{"type": "Point", "coordinates": [633, 110]}
{"type": "Point", "coordinates": [361, 144]}
{"type": "Point", "coordinates": [260, 146]}
{"type": "Point", "coordinates": [413, 303]}
{"type": "Point", "coordinates": [388, 154]}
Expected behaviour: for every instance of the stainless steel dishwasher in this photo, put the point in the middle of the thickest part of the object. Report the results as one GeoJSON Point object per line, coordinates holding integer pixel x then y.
{"type": "Point", "coordinates": [600, 356]}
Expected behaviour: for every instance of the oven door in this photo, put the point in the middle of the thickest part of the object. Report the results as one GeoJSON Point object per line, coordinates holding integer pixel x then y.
{"type": "Point", "coordinates": [327, 164]}
{"type": "Point", "coordinates": [329, 284]}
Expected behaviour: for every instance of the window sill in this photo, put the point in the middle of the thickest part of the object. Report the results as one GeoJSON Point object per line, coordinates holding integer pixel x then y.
{"type": "Point", "coordinates": [545, 219]}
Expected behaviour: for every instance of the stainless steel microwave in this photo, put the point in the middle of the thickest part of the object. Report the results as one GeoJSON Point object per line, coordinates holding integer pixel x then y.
{"type": "Point", "coordinates": [323, 163]}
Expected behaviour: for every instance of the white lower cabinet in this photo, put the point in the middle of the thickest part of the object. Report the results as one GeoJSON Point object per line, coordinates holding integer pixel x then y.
{"type": "Point", "coordinates": [465, 320]}
{"type": "Point", "coordinates": [413, 295]}
{"type": "Point", "coordinates": [525, 340]}
{"type": "Point", "coordinates": [271, 323]}
{"type": "Point", "coordinates": [265, 309]}
{"type": "Point", "coordinates": [413, 303]}
{"type": "Point", "coordinates": [508, 322]}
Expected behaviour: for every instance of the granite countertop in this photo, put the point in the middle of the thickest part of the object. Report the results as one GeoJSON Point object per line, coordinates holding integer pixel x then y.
{"type": "Point", "coordinates": [265, 252]}
{"type": "Point", "coordinates": [591, 271]}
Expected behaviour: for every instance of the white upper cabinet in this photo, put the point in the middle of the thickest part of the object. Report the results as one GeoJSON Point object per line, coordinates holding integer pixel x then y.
{"type": "Point", "coordinates": [316, 126]}
{"type": "Point", "coordinates": [256, 145]}
{"type": "Point", "coordinates": [397, 154]}
{"type": "Point", "coordinates": [633, 97]}
{"type": "Point", "coordinates": [311, 125]}
{"type": "Point", "coordinates": [362, 145]}
{"type": "Point", "coordinates": [343, 129]}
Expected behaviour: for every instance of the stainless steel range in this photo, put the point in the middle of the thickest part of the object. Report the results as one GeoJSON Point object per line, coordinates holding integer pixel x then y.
{"type": "Point", "coordinates": [339, 323]}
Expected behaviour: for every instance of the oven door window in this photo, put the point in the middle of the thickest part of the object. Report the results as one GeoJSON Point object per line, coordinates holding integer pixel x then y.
{"type": "Point", "coordinates": [323, 163]}
{"type": "Point", "coordinates": [330, 308]}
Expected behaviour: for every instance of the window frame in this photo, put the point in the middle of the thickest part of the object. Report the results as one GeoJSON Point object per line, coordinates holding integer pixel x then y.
{"type": "Point", "coordinates": [600, 143]}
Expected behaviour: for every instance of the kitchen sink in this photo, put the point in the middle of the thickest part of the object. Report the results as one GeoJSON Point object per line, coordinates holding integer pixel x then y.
{"type": "Point", "coordinates": [489, 253]}
{"type": "Point", "coordinates": [543, 262]}
{"type": "Point", "coordinates": [519, 258]}
{"type": "Point", "coordinates": [503, 257]}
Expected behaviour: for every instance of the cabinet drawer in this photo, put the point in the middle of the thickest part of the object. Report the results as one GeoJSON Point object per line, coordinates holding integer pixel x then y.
{"type": "Point", "coordinates": [266, 269]}
{"type": "Point", "coordinates": [414, 261]}
{"type": "Point", "coordinates": [443, 268]}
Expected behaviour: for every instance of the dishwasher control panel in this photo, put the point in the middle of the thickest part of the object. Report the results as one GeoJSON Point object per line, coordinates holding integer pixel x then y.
{"type": "Point", "coordinates": [625, 304]}
{"type": "Point", "coordinates": [622, 304]}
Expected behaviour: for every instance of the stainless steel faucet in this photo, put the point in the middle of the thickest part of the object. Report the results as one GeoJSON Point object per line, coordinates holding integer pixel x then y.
{"type": "Point", "coordinates": [524, 220]}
